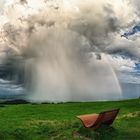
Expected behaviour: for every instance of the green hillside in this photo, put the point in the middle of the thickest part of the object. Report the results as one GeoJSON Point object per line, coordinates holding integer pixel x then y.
{"type": "Point", "coordinates": [58, 121]}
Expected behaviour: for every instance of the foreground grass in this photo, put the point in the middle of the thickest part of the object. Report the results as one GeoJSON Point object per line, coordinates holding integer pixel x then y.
{"type": "Point", "coordinates": [58, 121]}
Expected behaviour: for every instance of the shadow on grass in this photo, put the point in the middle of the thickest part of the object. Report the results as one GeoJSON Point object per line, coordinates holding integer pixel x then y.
{"type": "Point", "coordinates": [103, 133]}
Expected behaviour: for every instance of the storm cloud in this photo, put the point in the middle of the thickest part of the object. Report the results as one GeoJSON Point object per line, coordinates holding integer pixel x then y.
{"type": "Point", "coordinates": [61, 42]}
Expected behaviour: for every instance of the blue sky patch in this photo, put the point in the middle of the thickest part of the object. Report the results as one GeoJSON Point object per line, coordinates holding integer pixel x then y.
{"type": "Point", "coordinates": [134, 30]}
{"type": "Point", "coordinates": [137, 66]}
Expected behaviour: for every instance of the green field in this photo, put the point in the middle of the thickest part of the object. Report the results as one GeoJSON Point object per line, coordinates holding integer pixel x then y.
{"type": "Point", "coordinates": [58, 121]}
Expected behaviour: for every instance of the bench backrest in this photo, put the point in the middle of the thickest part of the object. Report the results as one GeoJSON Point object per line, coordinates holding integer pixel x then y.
{"type": "Point", "coordinates": [107, 117]}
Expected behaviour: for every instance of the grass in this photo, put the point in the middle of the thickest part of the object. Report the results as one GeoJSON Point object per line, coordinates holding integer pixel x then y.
{"type": "Point", "coordinates": [58, 121]}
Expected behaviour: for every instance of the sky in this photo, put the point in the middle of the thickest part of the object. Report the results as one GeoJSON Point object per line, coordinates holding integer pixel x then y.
{"type": "Point", "coordinates": [122, 15]}
{"type": "Point", "coordinates": [110, 27]}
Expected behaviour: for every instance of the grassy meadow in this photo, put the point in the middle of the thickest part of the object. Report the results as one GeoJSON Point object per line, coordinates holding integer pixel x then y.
{"type": "Point", "coordinates": [58, 121]}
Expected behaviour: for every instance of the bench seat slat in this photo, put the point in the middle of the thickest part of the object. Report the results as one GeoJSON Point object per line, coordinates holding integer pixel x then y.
{"type": "Point", "coordinates": [89, 119]}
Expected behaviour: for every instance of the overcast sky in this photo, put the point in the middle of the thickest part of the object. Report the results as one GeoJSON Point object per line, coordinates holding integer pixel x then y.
{"type": "Point", "coordinates": [107, 25]}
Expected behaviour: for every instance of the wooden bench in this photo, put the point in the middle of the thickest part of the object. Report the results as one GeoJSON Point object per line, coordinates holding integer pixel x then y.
{"type": "Point", "coordinates": [94, 121]}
